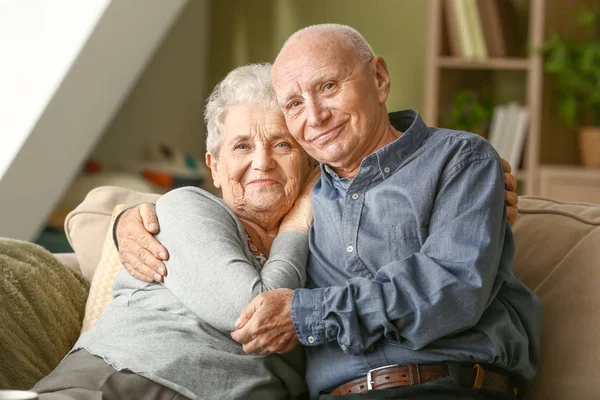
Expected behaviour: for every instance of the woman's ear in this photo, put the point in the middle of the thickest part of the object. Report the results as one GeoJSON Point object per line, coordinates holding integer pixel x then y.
{"type": "Point", "coordinates": [211, 163]}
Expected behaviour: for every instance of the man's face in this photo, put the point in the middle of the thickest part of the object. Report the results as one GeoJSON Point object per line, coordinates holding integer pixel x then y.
{"type": "Point", "coordinates": [330, 99]}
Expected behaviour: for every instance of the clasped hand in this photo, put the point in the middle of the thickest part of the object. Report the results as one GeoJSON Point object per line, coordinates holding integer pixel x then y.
{"type": "Point", "coordinates": [265, 326]}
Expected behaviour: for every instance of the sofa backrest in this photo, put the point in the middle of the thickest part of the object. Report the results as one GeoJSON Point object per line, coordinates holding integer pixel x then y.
{"type": "Point", "coordinates": [558, 257]}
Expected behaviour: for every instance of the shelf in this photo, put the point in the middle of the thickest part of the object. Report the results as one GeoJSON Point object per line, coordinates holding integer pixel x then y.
{"type": "Point", "coordinates": [490, 63]}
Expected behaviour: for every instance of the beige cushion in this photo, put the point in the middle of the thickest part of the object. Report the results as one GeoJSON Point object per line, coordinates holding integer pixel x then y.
{"type": "Point", "coordinates": [87, 224]}
{"type": "Point", "coordinates": [109, 266]}
{"type": "Point", "coordinates": [558, 257]}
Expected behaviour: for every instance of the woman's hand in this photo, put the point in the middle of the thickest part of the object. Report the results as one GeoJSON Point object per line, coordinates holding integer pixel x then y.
{"type": "Point", "coordinates": [139, 251]}
{"type": "Point", "coordinates": [300, 216]}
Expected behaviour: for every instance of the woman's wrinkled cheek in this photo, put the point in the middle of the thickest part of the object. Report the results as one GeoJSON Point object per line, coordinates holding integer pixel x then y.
{"type": "Point", "coordinates": [296, 173]}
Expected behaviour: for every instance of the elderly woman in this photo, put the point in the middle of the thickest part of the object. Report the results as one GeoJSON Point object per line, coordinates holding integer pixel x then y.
{"type": "Point", "coordinates": [172, 340]}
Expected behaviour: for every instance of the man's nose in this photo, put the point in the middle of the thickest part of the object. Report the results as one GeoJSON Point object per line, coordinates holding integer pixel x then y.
{"type": "Point", "coordinates": [317, 112]}
{"type": "Point", "coordinates": [263, 159]}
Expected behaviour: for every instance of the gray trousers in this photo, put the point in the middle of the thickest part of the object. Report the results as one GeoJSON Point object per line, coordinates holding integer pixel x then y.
{"type": "Point", "coordinates": [83, 376]}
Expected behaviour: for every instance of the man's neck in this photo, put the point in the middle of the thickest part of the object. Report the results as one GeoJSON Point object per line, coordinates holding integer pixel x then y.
{"type": "Point", "coordinates": [388, 135]}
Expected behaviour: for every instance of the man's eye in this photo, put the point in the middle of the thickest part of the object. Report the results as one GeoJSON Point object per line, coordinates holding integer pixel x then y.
{"type": "Point", "coordinates": [283, 145]}
{"type": "Point", "coordinates": [329, 86]}
{"type": "Point", "coordinates": [241, 146]}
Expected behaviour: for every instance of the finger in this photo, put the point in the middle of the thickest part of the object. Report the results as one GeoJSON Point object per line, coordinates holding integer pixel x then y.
{"type": "Point", "coordinates": [242, 336]}
{"type": "Point", "coordinates": [510, 182]}
{"type": "Point", "coordinates": [248, 312]}
{"type": "Point", "coordinates": [150, 243]}
{"type": "Point", "coordinates": [133, 272]}
{"type": "Point", "coordinates": [511, 198]}
{"type": "Point", "coordinates": [512, 213]}
{"type": "Point", "coordinates": [254, 347]}
{"type": "Point", "coordinates": [505, 166]}
{"type": "Point", "coordinates": [148, 214]}
{"type": "Point", "coordinates": [141, 261]}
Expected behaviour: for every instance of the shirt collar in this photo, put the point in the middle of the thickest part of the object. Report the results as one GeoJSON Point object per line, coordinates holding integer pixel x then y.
{"type": "Point", "coordinates": [389, 157]}
{"type": "Point", "coordinates": [415, 131]}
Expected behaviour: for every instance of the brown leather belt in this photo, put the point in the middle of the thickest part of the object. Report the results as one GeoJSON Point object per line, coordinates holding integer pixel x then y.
{"type": "Point", "coordinates": [393, 376]}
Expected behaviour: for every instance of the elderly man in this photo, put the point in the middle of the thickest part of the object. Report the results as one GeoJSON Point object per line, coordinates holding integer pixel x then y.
{"type": "Point", "coordinates": [411, 292]}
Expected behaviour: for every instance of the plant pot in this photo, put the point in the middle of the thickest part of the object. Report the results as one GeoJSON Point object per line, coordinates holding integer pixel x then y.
{"type": "Point", "coordinates": [589, 145]}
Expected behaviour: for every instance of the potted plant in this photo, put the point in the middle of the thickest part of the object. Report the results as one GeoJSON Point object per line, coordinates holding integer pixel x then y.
{"type": "Point", "coordinates": [470, 110]}
{"type": "Point", "coordinates": [576, 65]}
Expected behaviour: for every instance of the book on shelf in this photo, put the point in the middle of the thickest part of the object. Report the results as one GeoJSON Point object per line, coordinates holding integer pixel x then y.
{"type": "Point", "coordinates": [480, 29]}
{"type": "Point", "coordinates": [475, 30]}
{"type": "Point", "coordinates": [460, 12]}
{"type": "Point", "coordinates": [489, 12]}
{"type": "Point", "coordinates": [453, 30]}
{"type": "Point", "coordinates": [514, 37]}
{"type": "Point", "coordinates": [508, 132]}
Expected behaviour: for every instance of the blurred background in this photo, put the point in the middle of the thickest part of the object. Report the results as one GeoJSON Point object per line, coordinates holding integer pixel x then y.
{"type": "Point", "coordinates": [104, 92]}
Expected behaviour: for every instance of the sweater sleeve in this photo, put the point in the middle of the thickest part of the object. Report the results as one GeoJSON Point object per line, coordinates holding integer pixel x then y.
{"type": "Point", "coordinates": [209, 269]}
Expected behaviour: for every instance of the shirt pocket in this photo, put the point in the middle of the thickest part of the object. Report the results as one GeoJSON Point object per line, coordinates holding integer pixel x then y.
{"type": "Point", "coordinates": [405, 239]}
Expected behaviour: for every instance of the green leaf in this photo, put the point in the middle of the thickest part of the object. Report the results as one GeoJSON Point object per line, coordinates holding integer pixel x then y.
{"type": "Point", "coordinates": [568, 110]}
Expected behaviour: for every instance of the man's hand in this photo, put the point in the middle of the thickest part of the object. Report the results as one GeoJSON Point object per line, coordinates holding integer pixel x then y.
{"type": "Point", "coordinates": [139, 252]}
{"type": "Point", "coordinates": [265, 325]}
{"type": "Point", "coordinates": [512, 200]}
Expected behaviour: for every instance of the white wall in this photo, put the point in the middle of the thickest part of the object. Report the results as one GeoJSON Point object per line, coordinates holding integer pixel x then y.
{"type": "Point", "coordinates": [39, 41]}
{"type": "Point", "coordinates": [90, 87]}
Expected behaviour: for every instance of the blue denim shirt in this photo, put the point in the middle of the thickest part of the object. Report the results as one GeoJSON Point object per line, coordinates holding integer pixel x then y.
{"type": "Point", "coordinates": [411, 262]}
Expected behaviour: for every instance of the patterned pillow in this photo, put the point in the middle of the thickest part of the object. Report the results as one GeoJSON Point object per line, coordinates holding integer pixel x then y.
{"type": "Point", "coordinates": [106, 271]}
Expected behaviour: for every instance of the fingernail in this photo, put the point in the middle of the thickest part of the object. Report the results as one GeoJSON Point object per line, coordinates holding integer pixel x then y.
{"type": "Point", "coordinates": [162, 271]}
{"type": "Point", "coordinates": [153, 225]}
{"type": "Point", "coordinates": [238, 322]}
{"type": "Point", "coordinates": [162, 255]}
{"type": "Point", "coordinates": [157, 277]}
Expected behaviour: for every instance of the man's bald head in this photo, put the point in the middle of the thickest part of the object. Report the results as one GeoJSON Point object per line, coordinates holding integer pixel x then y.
{"type": "Point", "coordinates": [332, 32]}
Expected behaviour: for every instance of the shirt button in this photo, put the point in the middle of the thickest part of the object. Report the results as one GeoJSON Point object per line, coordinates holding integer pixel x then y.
{"type": "Point", "coordinates": [349, 249]}
{"type": "Point", "coordinates": [355, 196]}
{"type": "Point", "coordinates": [344, 348]}
{"type": "Point", "coordinates": [311, 339]}
{"type": "Point", "coordinates": [386, 170]}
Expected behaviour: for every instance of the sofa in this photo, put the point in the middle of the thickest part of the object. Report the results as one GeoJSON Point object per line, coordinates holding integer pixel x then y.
{"type": "Point", "coordinates": [557, 256]}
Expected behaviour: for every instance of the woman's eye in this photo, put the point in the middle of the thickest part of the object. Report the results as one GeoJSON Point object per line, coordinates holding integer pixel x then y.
{"type": "Point", "coordinates": [283, 145]}
{"type": "Point", "coordinates": [294, 104]}
{"type": "Point", "coordinates": [241, 146]}
{"type": "Point", "coordinates": [329, 86]}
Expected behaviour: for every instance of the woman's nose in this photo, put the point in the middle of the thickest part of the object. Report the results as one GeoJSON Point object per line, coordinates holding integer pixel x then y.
{"type": "Point", "coordinates": [262, 158]}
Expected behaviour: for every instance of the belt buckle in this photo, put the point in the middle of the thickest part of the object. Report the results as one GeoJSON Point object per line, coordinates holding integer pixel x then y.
{"type": "Point", "coordinates": [370, 376]}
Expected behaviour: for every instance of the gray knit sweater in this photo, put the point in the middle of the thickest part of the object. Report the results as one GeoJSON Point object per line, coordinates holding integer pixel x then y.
{"type": "Point", "coordinates": [178, 333]}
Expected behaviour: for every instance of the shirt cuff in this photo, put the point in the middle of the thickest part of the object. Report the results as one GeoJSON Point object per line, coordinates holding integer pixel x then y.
{"type": "Point", "coordinates": [307, 316]}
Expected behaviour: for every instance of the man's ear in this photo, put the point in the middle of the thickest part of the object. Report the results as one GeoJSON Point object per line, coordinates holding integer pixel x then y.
{"type": "Point", "coordinates": [382, 78]}
{"type": "Point", "coordinates": [211, 163]}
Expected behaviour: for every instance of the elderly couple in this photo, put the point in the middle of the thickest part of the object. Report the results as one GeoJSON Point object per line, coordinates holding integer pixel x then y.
{"type": "Point", "coordinates": [409, 294]}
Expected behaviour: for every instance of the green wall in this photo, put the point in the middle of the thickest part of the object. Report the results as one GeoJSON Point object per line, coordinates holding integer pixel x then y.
{"type": "Point", "coordinates": [245, 31]}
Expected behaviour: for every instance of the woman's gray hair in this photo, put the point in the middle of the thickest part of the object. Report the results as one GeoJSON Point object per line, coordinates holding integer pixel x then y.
{"type": "Point", "coordinates": [359, 44]}
{"type": "Point", "coordinates": [251, 85]}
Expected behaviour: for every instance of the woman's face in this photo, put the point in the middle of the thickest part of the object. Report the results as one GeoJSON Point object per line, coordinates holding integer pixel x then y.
{"type": "Point", "coordinates": [260, 167]}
